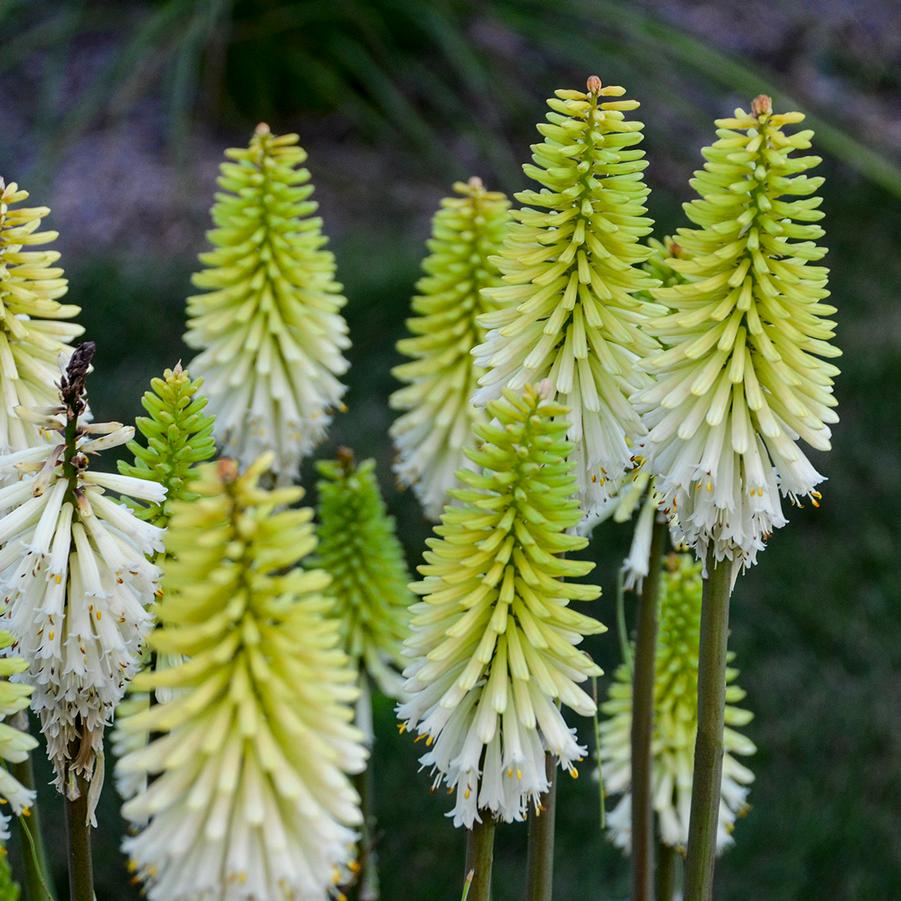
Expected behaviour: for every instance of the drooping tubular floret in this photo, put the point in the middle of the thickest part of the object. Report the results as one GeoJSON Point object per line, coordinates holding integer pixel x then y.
{"type": "Point", "coordinates": [75, 575]}
{"type": "Point", "coordinates": [675, 722]}
{"type": "Point", "coordinates": [569, 305]}
{"type": "Point", "coordinates": [436, 426]}
{"type": "Point", "coordinates": [250, 796]}
{"type": "Point", "coordinates": [358, 548]}
{"type": "Point", "coordinates": [268, 324]}
{"type": "Point", "coordinates": [33, 330]}
{"type": "Point", "coordinates": [742, 377]}
{"type": "Point", "coordinates": [494, 643]}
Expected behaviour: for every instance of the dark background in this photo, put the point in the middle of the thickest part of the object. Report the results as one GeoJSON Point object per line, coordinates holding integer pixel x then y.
{"type": "Point", "coordinates": [115, 115]}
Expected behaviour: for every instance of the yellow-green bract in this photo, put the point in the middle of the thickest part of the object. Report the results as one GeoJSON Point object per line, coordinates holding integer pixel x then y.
{"type": "Point", "coordinates": [436, 428]}
{"type": "Point", "coordinates": [178, 434]}
{"type": "Point", "coordinates": [268, 324]}
{"type": "Point", "coordinates": [569, 305]}
{"type": "Point", "coordinates": [742, 379]}
{"type": "Point", "coordinates": [33, 330]}
{"type": "Point", "coordinates": [675, 721]}
{"type": "Point", "coordinates": [257, 738]}
{"type": "Point", "coordinates": [494, 643]}
{"type": "Point", "coordinates": [359, 549]}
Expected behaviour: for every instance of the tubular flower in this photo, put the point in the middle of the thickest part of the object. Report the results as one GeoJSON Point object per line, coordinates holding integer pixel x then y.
{"type": "Point", "coordinates": [675, 721]}
{"type": "Point", "coordinates": [432, 435]}
{"type": "Point", "coordinates": [494, 641]}
{"type": "Point", "coordinates": [741, 379]}
{"type": "Point", "coordinates": [75, 575]}
{"type": "Point", "coordinates": [568, 306]}
{"type": "Point", "coordinates": [33, 332]}
{"type": "Point", "coordinates": [15, 744]}
{"type": "Point", "coordinates": [359, 549]}
{"type": "Point", "coordinates": [251, 799]}
{"type": "Point", "coordinates": [268, 325]}
{"type": "Point", "coordinates": [179, 434]}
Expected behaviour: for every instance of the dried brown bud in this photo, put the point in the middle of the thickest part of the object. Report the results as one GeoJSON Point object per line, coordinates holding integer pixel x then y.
{"type": "Point", "coordinates": [346, 458]}
{"type": "Point", "coordinates": [762, 105]}
{"type": "Point", "coordinates": [594, 84]}
{"type": "Point", "coordinates": [71, 384]}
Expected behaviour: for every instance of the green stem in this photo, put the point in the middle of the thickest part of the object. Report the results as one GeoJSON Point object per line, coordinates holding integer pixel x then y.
{"type": "Point", "coordinates": [367, 883]}
{"type": "Point", "coordinates": [37, 872]}
{"type": "Point", "coordinates": [479, 858]}
{"type": "Point", "coordinates": [643, 724]}
{"type": "Point", "coordinates": [540, 859]}
{"type": "Point", "coordinates": [666, 871]}
{"type": "Point", "coordinates": [708, 766]}
{"type": "Point", "coordinates": [78, 832]}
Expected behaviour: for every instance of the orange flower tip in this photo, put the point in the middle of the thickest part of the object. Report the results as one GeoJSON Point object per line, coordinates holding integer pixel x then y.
{"type": "Point", "coordinates": [762, 105]}
{"type": "Point", "coordinates": [354, 866]}
{"type": "Point", "coordinates": [342, 407]}
{"type": "Point", "coordinates": [227, 469]}
{"type": "Point", "coordinates": [594, 84]}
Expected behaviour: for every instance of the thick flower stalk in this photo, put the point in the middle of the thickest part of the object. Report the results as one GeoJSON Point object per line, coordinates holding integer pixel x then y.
{"type": "Point", "coordinates": [15, 745]}
{"type": "Point", "coordinates": [569, 310]}
{"type": "Point", "coordinates": [742, 377]}
{"type": "Point", "coordinates": [436, 427]}
{"type": "Point", "coordinates": [75, 575]}
{"type": "Point", "coordinates": [33, 330]}
{"type": "Point", "coordinates": [494, 642]}
{"type": "Point", "coordinates": [268, 324]}
{"type": "Point", "coordinates": [358, 548]}
{"type": "Point", "coordinates": [178, 435]}
{"type": "Point", "coordinates": [675, 722]}
{"type": "Point", "coordinates": [249, 796]}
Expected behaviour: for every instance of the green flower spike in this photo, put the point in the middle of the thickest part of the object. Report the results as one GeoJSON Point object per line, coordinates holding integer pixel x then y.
{"type": "Point", "coordinates": [571, 275]}
{"type": "Point", "coordinates": [257, 739]}
{"type": "Point", "coordinates": [494, 642]}
{"type": "Point", "coordinates": [33, 330]}
{"type": "Point", "coordinates": [269, 324]}
{"type": "Point", "coordinates": [359, 549]}
{"type": "Point", "coordinates": [433, 434]}
{"type": "Point", "coordinates": [675, 721]}
{"type": "Point", "coordinates": [741, 378]}
{"type": "Point", "coordinates": [10, 890]}
{"type": "Point", "coordinates": [179, 435]}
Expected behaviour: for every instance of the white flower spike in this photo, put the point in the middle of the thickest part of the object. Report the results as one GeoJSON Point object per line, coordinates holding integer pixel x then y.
{"type": "Point", "coordinates": [75, 576]}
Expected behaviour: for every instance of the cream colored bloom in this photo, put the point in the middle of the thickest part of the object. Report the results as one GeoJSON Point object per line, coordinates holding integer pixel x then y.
{"type": "Point", "coordinates": [494, 645]}
{"type": "Point", "coordinates": [742, 378]}
{"type": "Point", "coordinates": [569, 309]}
{"type": "Point", "coordinates": [436, 428]}
{"type": "Point", "coordinates": [33, 330]}
{"type": "Point", "coordinates": [75, 575]}
{"type": "Point", "coordinates": [249, 796]}
{"type": "Point", "coordinates": [675, 722]}
{"type": "Point", "coordinates": [268, 325]}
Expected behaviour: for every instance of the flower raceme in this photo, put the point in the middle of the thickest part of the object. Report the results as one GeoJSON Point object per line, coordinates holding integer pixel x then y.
{"type": "Point", "coordinates": [75, 575]}
{"type": "Point", "coordinates": [178, 435]}
{"type": "Point", "coordinates": [433, 433]}
{"type": "Point", "coordinates": [675, 721]}
{"type": "Point", "coordinates": [250, 796]}
{"type": "Point", "coordinates": [359, 549]}
{"type": "Point", "coordinates": [742, 377]}
{"type": "Point", "coordinates": [494, 643]}
{"type": "Point", "coordinates": [268, 324]}
{"type": "Point", "coordinates": [33, 330]}
{"type": "Point", "coordinates": [568, 309]}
